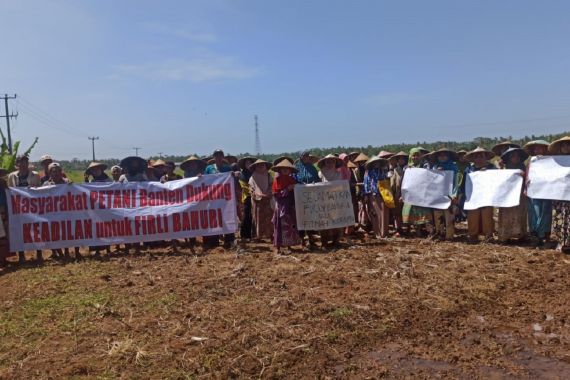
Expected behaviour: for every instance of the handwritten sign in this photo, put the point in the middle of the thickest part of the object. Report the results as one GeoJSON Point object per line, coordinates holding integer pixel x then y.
{"type": "Point", "coordinates": [323, 206]}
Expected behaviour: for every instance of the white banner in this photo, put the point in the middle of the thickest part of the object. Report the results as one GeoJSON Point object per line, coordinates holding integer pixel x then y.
{"type": "Point", "coordinates": [549, 178]}
{"type": "Point", "coordinates": [427, 188]}
{"type": "Point", "coordinates": [322, 206]}
{"type": "Point", "coordinates": [496, 188]}
{"type": "Point", "coordinates": [114, 213]}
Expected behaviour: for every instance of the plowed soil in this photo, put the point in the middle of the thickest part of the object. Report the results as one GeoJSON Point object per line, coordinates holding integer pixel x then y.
{"type": "Point", "coordinates": [400, 308]}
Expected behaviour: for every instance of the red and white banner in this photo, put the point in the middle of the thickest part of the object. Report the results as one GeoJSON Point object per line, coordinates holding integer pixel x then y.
{"type": "Point", "coordinates": [114, 213]}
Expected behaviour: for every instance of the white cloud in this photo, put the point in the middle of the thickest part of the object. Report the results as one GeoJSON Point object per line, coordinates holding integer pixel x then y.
{"type": "Point", "coordinates": [202, 69]}
{"type": "Point", "coordinates": [182, 32]}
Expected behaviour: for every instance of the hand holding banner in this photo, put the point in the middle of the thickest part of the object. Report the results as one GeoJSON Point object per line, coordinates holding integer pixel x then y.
{"type": "Point", "coordinates": [549, 178]}
{"type": "Point", "coordinates": [322, 206]}
{"type": "Point", "coordinates": [427, 188]}
{"type": "Point", "coordinates": [496, 188]}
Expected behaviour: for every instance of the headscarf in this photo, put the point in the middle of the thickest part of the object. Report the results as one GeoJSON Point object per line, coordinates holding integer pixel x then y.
{"type": "Point", "coordinates": [410, 160]}
{"type": "Point", "coordinates": [259, 183]}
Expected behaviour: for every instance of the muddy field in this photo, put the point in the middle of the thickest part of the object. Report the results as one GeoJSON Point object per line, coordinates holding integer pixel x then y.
{"type": "Point", "coordinates": [400, 308]}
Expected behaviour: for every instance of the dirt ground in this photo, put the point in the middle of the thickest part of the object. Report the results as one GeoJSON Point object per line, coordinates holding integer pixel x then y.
{"type": "Point", "coordinates": [400, 308]}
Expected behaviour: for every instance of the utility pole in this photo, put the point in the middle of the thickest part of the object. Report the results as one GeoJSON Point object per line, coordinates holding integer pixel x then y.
{"type": "Point", "coordinates": [8, 116]}
{"type": "Point", "coordinates": [257, 139]}
{"type": "Point", "coordinates": [136, 148]}
{"type": "Point", "coordinates": [93, 144]}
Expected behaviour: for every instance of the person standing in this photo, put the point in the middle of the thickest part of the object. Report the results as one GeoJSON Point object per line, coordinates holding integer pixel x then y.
{"type": "Point", "coordinates": [262, 201]}
{"type": "Point", "coordinates": [561, 209]}
{"type": "Point", "coordinates": [24, 177]}
{"type": "Point", "coordinates": [285, 232]}
{"type": "Point", "coordinates": [307, 173]}
{"type": "Point", "coordinates": [479, 221]}
{"type": "Point", "coordinates": [539, 210]}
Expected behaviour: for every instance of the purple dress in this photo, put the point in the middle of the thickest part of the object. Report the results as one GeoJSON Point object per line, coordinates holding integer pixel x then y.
{"type": "Point", "coordinates": [284, 222]}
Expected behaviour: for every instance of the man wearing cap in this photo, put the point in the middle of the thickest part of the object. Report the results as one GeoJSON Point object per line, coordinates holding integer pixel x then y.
{"type": "Point", "coordinates": [219, 166]}
{"type": "Point", "coordinates": [45, 160]}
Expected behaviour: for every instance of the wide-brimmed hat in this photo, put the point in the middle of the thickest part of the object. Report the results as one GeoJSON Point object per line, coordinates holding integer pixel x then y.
{"type": "Point", "coordinates": [374, 160]}
{"type": "Point", "coordinates": [44, 158]}
{"type": "Point", "coordinates": [242, 161]}
{"type": "Point", "coordinates": [351, 165]}
{"type": "Point", "coordinates": [528, 147]}
{"type": "Point", "coordinates": [401, 154]}
{"type": "Point", "coordinates": [504, 144]}
{"type": "Point", "coordinates": [450, 153]}
{"type": "Point", "coordinates": [94, 165]}
{"type": "Point", "coordinates": [184, 165]}
{"type": "Point", "coordinates": [158, 164]}
{"type": "Point", "coordinates": [279, 159]}
{"type": "Point", "coordinates": [554, 147]}
{"type": "Point", "coordinates": [127, 162]}
{"type": "Point", "coordinates": [461, 152]}
{"type": "Point", "coordinates": [423, 151]}
{"type": "Point", "coordinates": [385, 154]}
{"type": "Point", "coordinates": [361, 158]}
{"type": "Point", "coordinates": [353, 155]}
{"type": "Point", "coordinates": [337, 160]}
{"type": "Point", "coordinates": [259, 162]}
{"type": "Point", "coordinates": [284, 164]}
{"type": "Point", "coordinates": [488, 154]}
{"type": "Point", "coordinates": [507, 154]}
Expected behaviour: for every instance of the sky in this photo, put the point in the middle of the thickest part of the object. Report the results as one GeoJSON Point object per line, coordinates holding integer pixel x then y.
{"type": "Point", "coordinates": [181, 77]}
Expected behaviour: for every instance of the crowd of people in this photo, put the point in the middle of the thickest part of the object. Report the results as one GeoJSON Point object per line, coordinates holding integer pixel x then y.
{"type": "Point", "coordinates": [266, 203]}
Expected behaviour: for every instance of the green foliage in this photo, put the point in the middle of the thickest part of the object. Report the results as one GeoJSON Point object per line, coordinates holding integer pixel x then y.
{"type": "Point", "coordinates": [370, 150]}
{"type": "Point", "coordinates": [7, 160]}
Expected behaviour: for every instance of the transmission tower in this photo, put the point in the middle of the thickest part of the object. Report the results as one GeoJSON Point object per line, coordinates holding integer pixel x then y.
{"type": "Point", "coordinates": [257, 140]}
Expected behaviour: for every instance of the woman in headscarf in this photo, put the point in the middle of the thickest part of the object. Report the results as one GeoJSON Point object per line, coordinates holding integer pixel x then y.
{"type": "Point", "coordinates": [285, 232]}
{"type": "Point", "coordinates": [539, 210]}
{"type": "Point", "coordinates": [561, 214]}
{"type": "Point", "coordinates": [399, 162]}
{"type": "Point", "coordinates": [261, 198]}
{"type": "Point", "coordinates": [419, 217]}
{"type": "Point", "coordinates": [246, 227]}
{"type": "Point", "coordinates": [513, 220]}
{"type": "Point", "coordinates": [444, 220]}
{"type": "Point", "coordinates": [329, 171]}
{"type": "Point", "coordinates": [116, 172]}
{"type": "Point", "coordinates": [377, 210]}
{"type": "Point", "coordinates": [479, 221]}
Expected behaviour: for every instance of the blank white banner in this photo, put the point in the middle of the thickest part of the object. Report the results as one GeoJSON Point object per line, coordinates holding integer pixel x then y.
{"type": "Point", "coordinates": [549, 178]}
{"type": "Point", "coordinates": [427, 188]}
{"type": "Point", "coordinates": [496, 188]}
